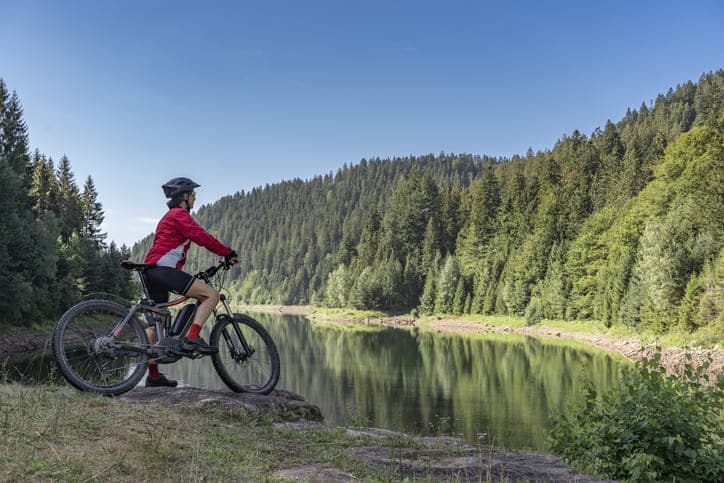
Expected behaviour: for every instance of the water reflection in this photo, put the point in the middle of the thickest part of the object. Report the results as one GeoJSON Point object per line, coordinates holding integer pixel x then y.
{"type": "Point", "coordinates": [427, 383]}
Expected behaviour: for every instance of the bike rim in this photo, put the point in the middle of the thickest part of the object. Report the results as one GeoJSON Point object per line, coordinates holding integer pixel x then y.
{"type": "Point", "coordinates": [255, 369]}
{"type": "Point", "coordinates": [88, 354]}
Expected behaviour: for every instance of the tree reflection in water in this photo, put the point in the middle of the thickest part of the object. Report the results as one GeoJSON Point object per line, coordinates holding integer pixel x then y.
{"type": "Point", "coordinates": [428, 383]}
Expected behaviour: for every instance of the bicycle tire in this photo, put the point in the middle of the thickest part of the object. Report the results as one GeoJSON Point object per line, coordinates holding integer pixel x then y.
{"type": "Point", "coordinates": [255, 373]}
{"type": "Point", "coordinates": [107, 371]}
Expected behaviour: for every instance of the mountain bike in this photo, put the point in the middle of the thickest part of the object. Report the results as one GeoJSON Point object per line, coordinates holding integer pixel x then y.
{"type": "Point", "coordinates": [101, 346]}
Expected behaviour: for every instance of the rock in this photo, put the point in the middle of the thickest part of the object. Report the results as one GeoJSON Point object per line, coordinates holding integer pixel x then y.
{"type": "Point", "coordinates": [280, 403]}
{"type": "Point", "coordinates": [448, 458]}
{"type": "Point", "coordinates": [313, 473]}
{"type": "Point", "coordinates": [486, 464]}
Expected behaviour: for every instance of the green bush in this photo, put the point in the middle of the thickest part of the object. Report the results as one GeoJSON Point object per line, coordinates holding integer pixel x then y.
{"type": "Point", "coordinates": [651, 427]}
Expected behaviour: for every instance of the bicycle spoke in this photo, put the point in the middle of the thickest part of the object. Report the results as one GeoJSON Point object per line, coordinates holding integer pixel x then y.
{"type": "Point", "coordinates": [247, 359]}
{"type": "Point", "coordinates": [86, 354]}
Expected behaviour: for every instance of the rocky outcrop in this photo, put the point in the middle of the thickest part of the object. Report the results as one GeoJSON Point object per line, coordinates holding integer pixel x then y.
{"type": "Point", "coordinates": [437, 459]}
{"type": "Point", "coordinates": [280, 404]}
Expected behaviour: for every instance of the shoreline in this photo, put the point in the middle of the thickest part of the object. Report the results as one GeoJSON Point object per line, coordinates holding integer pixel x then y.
{"type": "Point", "coordinates": [673, 359]}
{"type": "Point", "coordinates": [18, 343]}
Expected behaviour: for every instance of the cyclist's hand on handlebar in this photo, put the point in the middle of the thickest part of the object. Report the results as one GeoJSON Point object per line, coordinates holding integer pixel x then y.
{"type": "Point", "coordinates": [231, 259]}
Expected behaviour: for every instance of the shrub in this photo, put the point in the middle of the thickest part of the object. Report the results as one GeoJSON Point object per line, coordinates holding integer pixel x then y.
{"type": "Point", "coordinates": [651, 427]}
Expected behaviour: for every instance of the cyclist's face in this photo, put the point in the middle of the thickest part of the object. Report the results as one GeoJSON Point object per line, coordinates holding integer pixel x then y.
{"type": "Point", "coordinates": [191, 199]}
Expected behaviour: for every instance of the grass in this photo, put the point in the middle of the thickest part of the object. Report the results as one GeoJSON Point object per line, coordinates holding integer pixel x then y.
{"type": "Point", "coordinates": [58, 433]}
{"type": "Point", "coordinates": [704, 337]}
{"type": "Point", "coordinates": [346, 313]}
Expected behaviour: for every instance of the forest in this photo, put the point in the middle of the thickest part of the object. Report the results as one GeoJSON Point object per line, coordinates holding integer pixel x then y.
{"type": "Point", "coordinates": [52, 249]}
{"type": "Point", "coordinates": [622, 225]}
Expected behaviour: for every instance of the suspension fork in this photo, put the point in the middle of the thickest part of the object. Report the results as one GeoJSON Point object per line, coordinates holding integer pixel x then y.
{"type": "Point", "coordinates": [247, 350]}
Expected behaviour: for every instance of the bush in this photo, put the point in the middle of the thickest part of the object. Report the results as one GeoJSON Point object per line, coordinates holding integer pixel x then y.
{"type": "Point", "coordinates": [649, 428]}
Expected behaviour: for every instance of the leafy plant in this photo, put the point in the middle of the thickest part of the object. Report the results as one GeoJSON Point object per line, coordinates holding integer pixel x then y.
{"type": "Point", "coordinates": [653, 426]}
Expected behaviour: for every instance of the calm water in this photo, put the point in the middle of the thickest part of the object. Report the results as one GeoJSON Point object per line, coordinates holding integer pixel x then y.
{"type": "Point", "coordinates": [425, 382]}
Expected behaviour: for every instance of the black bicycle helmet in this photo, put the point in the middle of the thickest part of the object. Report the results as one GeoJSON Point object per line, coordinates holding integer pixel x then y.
{"type": "Point", "coordinates": [177, 187]}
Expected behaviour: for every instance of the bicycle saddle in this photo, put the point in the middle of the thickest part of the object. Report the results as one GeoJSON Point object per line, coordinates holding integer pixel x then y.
{"type": "Point", "coordinates": [129, 265]}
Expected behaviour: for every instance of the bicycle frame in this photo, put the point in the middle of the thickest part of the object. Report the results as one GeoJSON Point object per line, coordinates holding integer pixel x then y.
{"type": "Point", "coordinates": [157, 316]}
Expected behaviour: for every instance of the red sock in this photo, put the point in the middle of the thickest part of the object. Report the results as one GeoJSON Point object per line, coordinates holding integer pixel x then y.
{"type": "Point", "coordinates": [194, 331]}
{"type": "Point", "coordinates": [153, 371]}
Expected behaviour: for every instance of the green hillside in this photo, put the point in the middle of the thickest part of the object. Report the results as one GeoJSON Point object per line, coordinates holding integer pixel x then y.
{"type": "Point", "coordinates": [622, 225]}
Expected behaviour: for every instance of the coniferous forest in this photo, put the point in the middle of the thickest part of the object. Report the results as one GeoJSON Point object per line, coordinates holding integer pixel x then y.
{"type": "Point", "coordinates": [622, 225]}
{"type": "Point", "coordinates": [52, 250]}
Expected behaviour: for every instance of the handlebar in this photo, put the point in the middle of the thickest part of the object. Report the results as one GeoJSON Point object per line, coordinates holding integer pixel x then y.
{"type": "Point", "coordinates": [211, 271]}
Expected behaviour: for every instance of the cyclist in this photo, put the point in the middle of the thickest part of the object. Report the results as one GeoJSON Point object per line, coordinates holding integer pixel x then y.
{"type": "Point", "coordinates": [174, 234]}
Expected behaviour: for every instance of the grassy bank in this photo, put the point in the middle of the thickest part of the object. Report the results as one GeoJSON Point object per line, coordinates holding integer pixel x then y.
{"type": "Point", "coordinates": [706, 337]}
{"type": "Point", "coordinates": [51, 432]}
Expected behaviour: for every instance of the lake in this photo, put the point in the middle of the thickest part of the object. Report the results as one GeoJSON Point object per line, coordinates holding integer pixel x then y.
{"type": "Point", "coordinates": [424, 382]}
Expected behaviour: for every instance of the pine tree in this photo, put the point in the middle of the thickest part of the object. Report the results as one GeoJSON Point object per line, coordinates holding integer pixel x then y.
{"type": "Point", "coordinates": [3, 103]}
{"type": "Point", "coordinates": [70, 211]}
{"type": "Point", "coordinates": [458, 305]}
{"type": "Point", "coordinates": [427, 300]}
{"type": "Point", "coordinates": [15, 142]}
{"type": "Point", "coordinates": [92, 215]}
{"type": "Point", "coordinates": [43, 185]}
{"type": "Point", "coordinates": [447, 284]}
{"type": "Point", "coordinates": [370, 238]}
{"type": "Point", "coordinates": [430, 245]}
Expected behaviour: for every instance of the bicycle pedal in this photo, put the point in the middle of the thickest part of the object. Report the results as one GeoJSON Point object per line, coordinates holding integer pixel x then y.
{"type": "Point", "coordinates": [198, 346]}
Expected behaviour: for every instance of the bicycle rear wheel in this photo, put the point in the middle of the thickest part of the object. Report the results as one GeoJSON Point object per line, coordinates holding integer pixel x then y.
{"type": "Point", "coordinates": [89, 358]}
{"type": "Point", "coordinates": [247, 360]}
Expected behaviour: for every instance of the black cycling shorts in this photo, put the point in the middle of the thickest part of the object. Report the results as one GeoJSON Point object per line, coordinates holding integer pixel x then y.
{"type": "Point", "coordinates": [162, 280]}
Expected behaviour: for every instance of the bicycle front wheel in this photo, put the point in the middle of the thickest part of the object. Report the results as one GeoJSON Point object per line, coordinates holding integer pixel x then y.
{"type": "Point", "coordinates": [90, 358]}
{"type": "Point", "coordinates": [247, 360]}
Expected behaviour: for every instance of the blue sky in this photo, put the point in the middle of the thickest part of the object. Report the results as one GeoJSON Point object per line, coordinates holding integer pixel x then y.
{"type": "Point", "coordinates": [240, 94]}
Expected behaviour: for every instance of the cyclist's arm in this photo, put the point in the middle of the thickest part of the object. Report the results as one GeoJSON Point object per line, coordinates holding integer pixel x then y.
{"type": "Point", "coordinates": [193, 231]}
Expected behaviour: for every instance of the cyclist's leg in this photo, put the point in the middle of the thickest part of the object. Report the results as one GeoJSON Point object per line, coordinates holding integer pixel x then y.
{"type": "Point", "coordinates": [208, 297]}
{"type": "Point", "coordinates": [158, 288]}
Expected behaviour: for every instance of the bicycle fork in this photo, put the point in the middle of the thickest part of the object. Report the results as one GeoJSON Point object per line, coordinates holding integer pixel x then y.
{"type": "Point", "coordinates": [246, 349]}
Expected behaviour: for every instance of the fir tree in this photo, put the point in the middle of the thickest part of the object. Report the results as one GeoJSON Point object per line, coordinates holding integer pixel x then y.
{"type": "Point", "coordinates": [92, 215]}
{"type": "Point", "coordinates": [15, 142]}
{"type": "Point", "coordinates": [70, 211]}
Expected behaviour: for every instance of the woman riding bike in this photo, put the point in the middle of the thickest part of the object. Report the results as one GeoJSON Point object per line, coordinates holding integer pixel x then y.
{"type": "Point", "coordinates": [174, 234]}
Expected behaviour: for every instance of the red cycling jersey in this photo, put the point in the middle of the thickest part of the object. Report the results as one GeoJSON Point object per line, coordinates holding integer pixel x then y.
{"type": "Point", "coordinates": [174, 235]}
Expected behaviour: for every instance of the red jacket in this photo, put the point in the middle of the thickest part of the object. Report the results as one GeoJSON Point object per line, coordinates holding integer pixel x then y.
{"type": "Point", "coordinates": [174, 235]}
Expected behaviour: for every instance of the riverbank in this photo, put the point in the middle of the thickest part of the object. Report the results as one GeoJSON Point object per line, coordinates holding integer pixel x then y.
{"type": "Point", "coordinates": [632, 347]}
{"type": "Point", "coordinates": [162, 434]}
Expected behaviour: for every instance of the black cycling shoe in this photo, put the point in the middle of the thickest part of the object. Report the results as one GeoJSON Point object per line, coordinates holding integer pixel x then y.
{"type": "Point", "coordinates": [197, 345]}
{"type": "Point", "coordinates": [160, 381]}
